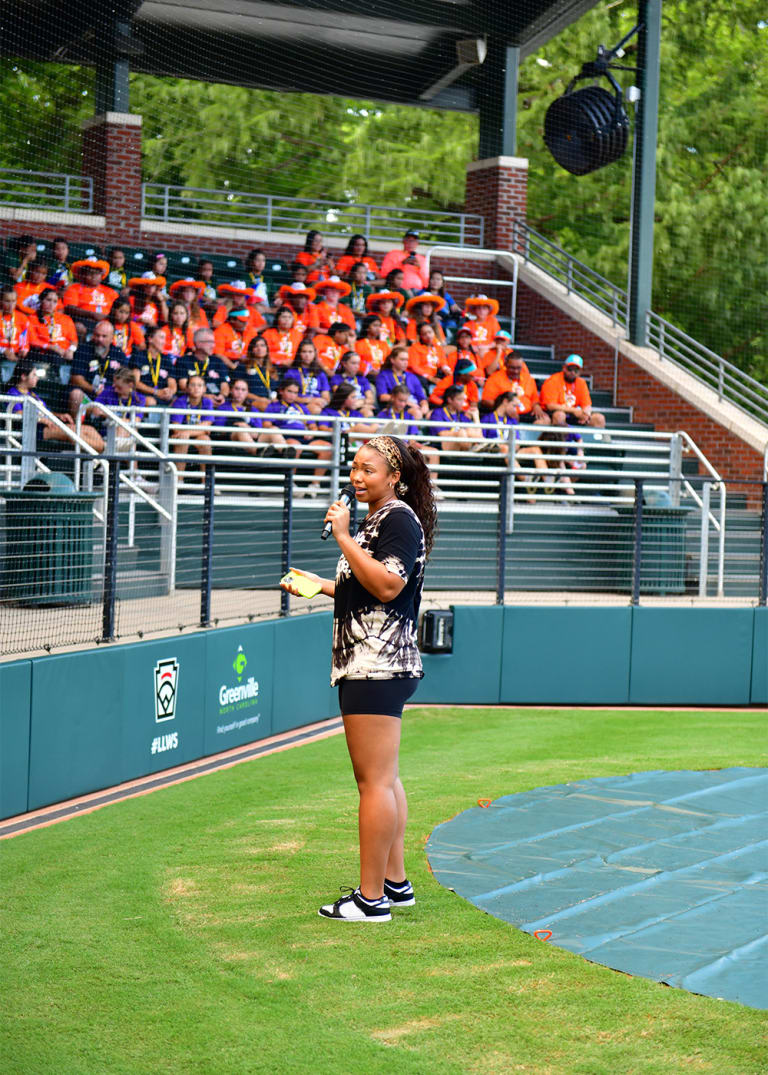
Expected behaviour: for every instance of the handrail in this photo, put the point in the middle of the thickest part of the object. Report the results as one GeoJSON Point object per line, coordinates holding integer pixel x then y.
{"type": "Point", "coordinates": [454, 251]}
{"type": "Point", "coordinates": [21, 189]}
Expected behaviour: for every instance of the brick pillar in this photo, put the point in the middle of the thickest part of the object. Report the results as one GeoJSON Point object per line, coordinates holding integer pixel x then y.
{"type": "Point", "coordinates": [497, 189]}
{"type": "Point", "coordinates": [112, 157]}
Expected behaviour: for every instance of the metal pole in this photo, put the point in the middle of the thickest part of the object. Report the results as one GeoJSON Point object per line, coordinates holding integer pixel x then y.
{"type": "Point", "coordinates": [704, 544]}
{"type": "Point", "coordinates": [336, 460]}
{"type": "Point", "coordinates": [285, 597]}
{"type": "Point", "coordinates": [764, 549]}
{"type": "Point", "coordinates": [207, 560]}
{"type": "Point", "coordinates": [109, 594]}
{"type": "Point", "coordinates": [637, 556]}
{"type": "Point", "coordinates": [501, 540]}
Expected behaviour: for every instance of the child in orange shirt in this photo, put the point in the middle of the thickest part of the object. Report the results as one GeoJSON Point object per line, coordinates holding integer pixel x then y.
{"type": "Point", "coordinates": [283, 340]}
{"type": "Point", "coordinates": [423, 309]}
{"type": "Point", "coordinates": [427, 358]}
{"type": "Point", "coordinates": [329, 309]}
{"type": "Point", "coordinates": [482, 322]}
{"type": "Point", "coordinates": [299, 299]}
{"type": "Point", "coordinates": [386, 304]}
{"type": "Point", "coordinates": [371, 347]}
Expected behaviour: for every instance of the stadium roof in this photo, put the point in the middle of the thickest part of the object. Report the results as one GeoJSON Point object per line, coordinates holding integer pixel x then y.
{"type": "Point", "coordinates": [391, 50]}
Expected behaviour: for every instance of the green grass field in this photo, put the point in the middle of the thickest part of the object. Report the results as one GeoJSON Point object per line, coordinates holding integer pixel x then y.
{"type": "Point", "coordinates": [177, 932]}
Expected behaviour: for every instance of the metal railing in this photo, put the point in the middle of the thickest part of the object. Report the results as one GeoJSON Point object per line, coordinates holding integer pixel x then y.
{"type": "Point", "coordinates": [22, 189]}
{"type": "Point", "coordinates": [275, 213]}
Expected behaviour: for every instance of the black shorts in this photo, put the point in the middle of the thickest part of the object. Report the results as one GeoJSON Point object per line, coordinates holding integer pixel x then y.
{"type": "Point", "coordinates": [385, 696]}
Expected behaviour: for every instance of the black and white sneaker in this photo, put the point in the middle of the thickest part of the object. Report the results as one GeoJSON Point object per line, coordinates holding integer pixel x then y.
{"type": "Point", "coordinates": [399, 894]}
{"type": "Point", "coordinates": [355, 908]}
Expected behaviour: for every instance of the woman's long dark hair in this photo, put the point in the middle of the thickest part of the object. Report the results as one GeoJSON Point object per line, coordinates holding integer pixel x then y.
{"type": "Point", "coordinates": [310, 239]}
{"type": "Point", "coordinates": [399, 348]}
{"type": "Point", "coordinates": [315, 368]}
{"type": "Point", "coordinates": [22, 368]}
{"type": "Point", "coordinates": [341, 394]}
{"type": "Point", "coordinates": [419, 495]}
{"type": "Point", "coordinates": [351, 243]}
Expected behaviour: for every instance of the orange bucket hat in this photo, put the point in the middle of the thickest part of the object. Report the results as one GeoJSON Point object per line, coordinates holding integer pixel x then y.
{"type": "Point", "coordinates": [426, 297]}
{"type": "Point", "coordinates": [333, 284]}
{"type": "Point", "coordinates": [91, 263]}
{"type": "Point", "coordinates": [147, 279]}
{"type": "Point", "coordinates": [482, 300]}
{"type": "Point", "coordinates": [379, 296]}
{"type": "Point", "coordinates": [179, 285]}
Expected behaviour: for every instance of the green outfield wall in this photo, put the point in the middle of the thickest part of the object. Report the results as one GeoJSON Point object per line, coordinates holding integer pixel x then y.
{"type": "Point", "coordinates": [78, 722]}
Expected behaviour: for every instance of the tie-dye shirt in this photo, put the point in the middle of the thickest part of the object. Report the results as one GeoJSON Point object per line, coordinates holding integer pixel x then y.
{"type": "Point", "coordinates": [373, 639]}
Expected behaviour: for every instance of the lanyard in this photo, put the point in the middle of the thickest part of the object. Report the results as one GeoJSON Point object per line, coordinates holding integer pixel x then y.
{"type": "Point", "coordinates": [204, 370]}
{"type": "Point", "coordinates": [154, 372]}
{"type": "Point", "coordinates": [105, 367]}
{"type": "Point", "coordinates": [264, 380]}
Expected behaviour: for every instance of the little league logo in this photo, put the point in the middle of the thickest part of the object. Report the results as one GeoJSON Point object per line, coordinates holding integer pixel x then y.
{"type": "Point", "coordinates": [166, 684]}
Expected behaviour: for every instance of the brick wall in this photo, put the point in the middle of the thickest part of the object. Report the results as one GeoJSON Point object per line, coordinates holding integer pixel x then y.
{"type": "Point", "coordinates": [112, 156]}
{"type": "Point", "coordinates": [498, 190]}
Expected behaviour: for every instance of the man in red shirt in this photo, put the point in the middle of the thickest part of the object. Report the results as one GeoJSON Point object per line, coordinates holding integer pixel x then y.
{"type": "Point", "coordinates": [565, 396]}
{"type": "Point", "coordinates": [413, 265]}
{"type": "Point", "coordinates": [89, 300]}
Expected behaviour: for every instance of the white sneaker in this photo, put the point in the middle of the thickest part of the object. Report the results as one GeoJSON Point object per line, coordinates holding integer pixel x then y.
{"type": "Point", "coordinates": [353, 908]}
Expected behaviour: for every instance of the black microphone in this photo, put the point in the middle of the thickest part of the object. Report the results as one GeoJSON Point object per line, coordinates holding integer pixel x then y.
{"type": "Point", "coordinates": [346, 496]}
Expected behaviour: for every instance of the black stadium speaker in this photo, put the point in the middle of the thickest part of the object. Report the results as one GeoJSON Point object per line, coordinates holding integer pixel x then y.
{"type": "Point", "coordinates": [437, 631]}
{"type": "Point", "coordinates": [586, 130]}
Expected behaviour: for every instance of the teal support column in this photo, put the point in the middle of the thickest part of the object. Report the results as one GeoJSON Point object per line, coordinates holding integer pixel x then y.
{"type": "Point", "coordinates": [112, 91]}
{"type": "Point", "coordinates": [497, 96]}
{"type": "Point", "coordinates": [644, 176]}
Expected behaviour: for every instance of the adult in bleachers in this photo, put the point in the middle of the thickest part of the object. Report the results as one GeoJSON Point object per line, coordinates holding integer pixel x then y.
{"type": "Point", "coordinates": [232, 338]}
{"type": "Point", "coordinates": [23, 382]}
{"type": "Point", "coordinates": [60, 271]}
{"type": "Point", "coordinates": [300, 299]}
{"type": "Point", "coordinates": [256, 370]}
{"type": "Point", "coordinates": [356, 252]}
{"type": "Point", "coordinates": [128, 334]}
{"type": "Point", "coordinates": [94, 364]}
{"type": "Point", "coordinates": [332, 345]}
{"type": "Point", "coordinates": [516, 378]}
{"type": "Point", "coordinates": [423, 310]}
{"type": "Point", "coordinates": [178, 335]}
{"type": "Point", "coordinates": [346, 403]}
{"type": "Point", "coordinates": [481, 321]}
{"type": "Point", "coordinates": [348, 372]}
{"type": "Point", "coordinates": [153, 369]}
{"type": "Point", "coordinates": [147, 301]}
{"type": "Point", "coordinates": [565, 396]}
{"type": "Point", "coordinates": [203, 362]}
{"type": "Point", "coordinates": [315, 258]}
{"type": "Point", "coordinates": [117, 277]}
{"type": "Point", "coordinates": [428, 359]}
{"type": "Point", "coordinates": [372, 346]}
{"type": "Point", "coordinates": [314, 390]}
{"type": "Point", "coordinates": [386, 305]}
{"type": "Point", "coordinates": [13, 326]}
{"type": "Point", "coordinates": [195, 415]}
{"type": "Point", "coordinates": [189, 291]}
{"type": "Point", "coordinates": [463, 374]}
{"type": "Point", "coordinates": [283, 338]}
{"type": "Point", "coordinates": [50, 332]}
{"type": "Point", "coordinates": [245, 428]}
{"type": "Point", "coordinates": [450, 312]}
{"type": "Point", "coordinates": [28, 290]}
{"type": "Point", "coordinates": [412, 264]}
{"type": "Point", "coordinates": [456, 433]}
{"type": "Point", "coordinates": [328, 306]}
{"type": "Point", "coordinates": [395, 373]}
{"type": "Point", "coordinates": [359, 291]}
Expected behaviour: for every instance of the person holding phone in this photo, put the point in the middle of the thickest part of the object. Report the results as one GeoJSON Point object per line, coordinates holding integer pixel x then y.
{"type": "Point", "coordinates": [413, 264]}
{"type": "Point", "coordinates": [375, 658]}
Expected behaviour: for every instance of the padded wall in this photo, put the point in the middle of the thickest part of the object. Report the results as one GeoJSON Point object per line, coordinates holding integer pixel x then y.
{"type": "Point", "coordinates": [15, 693]}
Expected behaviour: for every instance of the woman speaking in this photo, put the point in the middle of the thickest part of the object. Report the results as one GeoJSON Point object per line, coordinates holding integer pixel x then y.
{"type": "Point", "coordinates": [375, 660]}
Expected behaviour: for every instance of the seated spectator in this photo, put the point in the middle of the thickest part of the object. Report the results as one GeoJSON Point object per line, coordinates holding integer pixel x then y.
{"type": "Point", "coordinates": [28, 290]}
{"type": "Point", "coordinates": [394, 282]}
{"type": "Point", "coordinates": [456, 433]}
{"type": "Point", "coordinates": [423, 309]}
{"type": "Point", "coordinates": [450, 313]}
{"type": "Point", "coordinates": [94, 364]}
{"type": "Point", "coordinates": [117, 277]}
{"type": "Point", "coordinates": [206, 364]}
{"type": "Point", "coordinates": [147, 302]}
{"type": "Point", "coordinates": [396, 418]}
{"type": "Point", "coordinates": [463, 374]}
{"type": "Point", "coordinates": [565, 397]}
{"type": "Point", "coordinates": [49, 332]}
{"type": "Point", "coordinates": [427, 358]}
{"type": "Point", "coordinates": [60, 271]}
{"type": "Point", "coordinates": [299, 299]}
{"type": "Point", "coordinates": [128, 334]}
{"type": "Point", "coordinates": [501, 426]}
{"type": "Point", "coordinates": [328, 307]}
{"type": "Point", "coordinates": [153, 369]}
{"type": "Point", "coordinates": [332, 346]}
{"type": "Point", "coordinates": [299, 273]}
{"type": "Point", "coordinates": [348, 372]}
{"type": "Point", "coordinates": [356, 253]}
{"type": "Point", "coordinates": [195, 415]}
{"type": "Point", "coordinates": [238, 294]}
{"type": "Point", "coordinates": [314, 390]}
{"type": "Point", "coordinates": [283, 340]}
{"type": "Point", "coordinates": [178, 337]}
{"type": "Point", "coordinates": [22, 251]}
{"type": "Point", "coordinates": [464, 349]}
{"type": "Point", "coordinates": [285, 414]}
{"type": "Point", "coordinates": [244, 428]}
{"type": "Point", "coordinates": [346, 403]}
{"type": "Point", "coordinates": [232, 338]}
{"type": "Point", "coordinates": [359, 291]}
{"type": "Point", "coordinates": [492, 360]}
{"type": "Point", "coordinates": [412, 264]}
{"type": "Point", "coordinates": [482, 323]}
{"type": "Point", "coordinates": [189, 292]}
{"type": "Point", "coordinates": [13, 326]}
{"type": "Point", "coordinates": [255, 265]}
{"type": "Point", "coordinates": [205, 276]}
{"type": "Point", "coordinates": [23, 383]}
{"type": "Point", "coordinates": [315, 258]}
{"type": "Point", "coordinates": [255, 369]}
{"type": "Point", "coordinates": [516, 378]}
{"type": "Point", "coordinates": [372, 346]}
{"type": "Point", "coordinates": [124, 392]}
{"type": "Point", "coordinates": [386, 306]}
{"type": "Point", "coordinates": [160, 269]}
{"type": "Point", "coordinates": [395, 373]}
